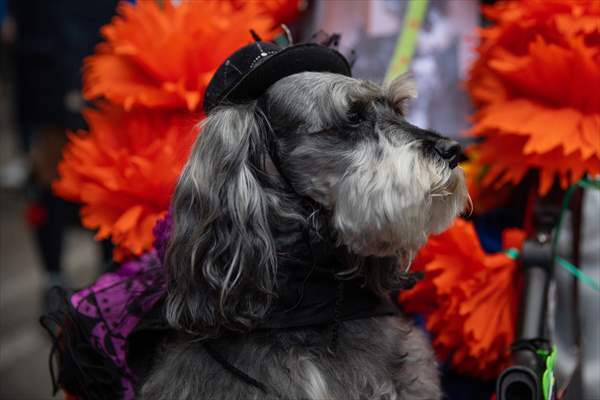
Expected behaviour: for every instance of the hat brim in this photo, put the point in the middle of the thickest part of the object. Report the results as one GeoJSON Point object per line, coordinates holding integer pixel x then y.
{"type": "Point", "coordinates": [306, 57]}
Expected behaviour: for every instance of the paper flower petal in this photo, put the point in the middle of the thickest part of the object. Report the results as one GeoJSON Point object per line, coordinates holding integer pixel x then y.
{"type": "Point", "coordinates": [123, 171]}
{"type": "Point", "coordinates": [164, 57]}
{"type": "Point", "coordinates": [538, 77]}
{"type": "Point", "coordinates": [469, 299]}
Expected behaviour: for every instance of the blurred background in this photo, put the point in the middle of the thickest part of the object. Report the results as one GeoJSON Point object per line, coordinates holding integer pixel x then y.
{"type": "Point", "coordinates": [43, 47]}
{"type": "Point", "coordinates": [42, 243]}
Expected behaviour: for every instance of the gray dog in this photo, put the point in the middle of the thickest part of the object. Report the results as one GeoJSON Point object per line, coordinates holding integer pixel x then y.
{"type": "Point", "coordinates": [321, 173]}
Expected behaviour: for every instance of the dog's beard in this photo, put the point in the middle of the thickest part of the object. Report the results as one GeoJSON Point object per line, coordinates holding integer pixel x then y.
{"type": "Point", "coordinates": [448, 200]}
{"type": "Point", "coordinates": [389, 206]}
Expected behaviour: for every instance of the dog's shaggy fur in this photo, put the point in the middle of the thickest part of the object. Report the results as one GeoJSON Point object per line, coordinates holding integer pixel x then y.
{"type": "Point", "coordinates": [320, 153]}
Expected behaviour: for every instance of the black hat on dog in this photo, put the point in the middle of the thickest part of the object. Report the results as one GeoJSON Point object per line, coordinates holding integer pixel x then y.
{"type": "Point", "coordinates": [251, 70]}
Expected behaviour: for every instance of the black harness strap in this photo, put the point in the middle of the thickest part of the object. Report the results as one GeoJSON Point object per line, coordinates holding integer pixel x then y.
{"type": "Point", "coordinates": [335, 329]}
{"type": "Point", "coordinates": [218, 357]}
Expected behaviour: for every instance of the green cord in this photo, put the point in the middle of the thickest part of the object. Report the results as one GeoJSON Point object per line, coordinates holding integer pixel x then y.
{"type": "Point", "coordinates": [549, 357]}
{"type": "Point", "coordinates": [579, 274]}
{"type": "Point", "coordinates": [572, 269]}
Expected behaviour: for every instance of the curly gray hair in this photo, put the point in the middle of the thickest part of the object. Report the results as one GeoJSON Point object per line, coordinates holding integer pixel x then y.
{"type": "Point", "coordinates": [320, 152]}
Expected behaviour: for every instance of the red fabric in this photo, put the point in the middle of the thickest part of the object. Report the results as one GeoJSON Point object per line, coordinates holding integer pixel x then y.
{"type": "Point", "coordinates": [36, 215]}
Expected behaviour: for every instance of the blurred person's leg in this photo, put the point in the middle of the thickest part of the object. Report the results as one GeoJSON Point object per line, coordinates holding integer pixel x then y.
{"type": "Point", "coordinates": [50, 233]}
{"type": "Point", "coordinates": [49, 215]}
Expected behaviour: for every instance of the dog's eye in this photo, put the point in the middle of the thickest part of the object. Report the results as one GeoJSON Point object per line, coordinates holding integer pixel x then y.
{"type": "Point", "coordinates": [356, 115]}
{"type": "Point", "coordinates": [355, 118]}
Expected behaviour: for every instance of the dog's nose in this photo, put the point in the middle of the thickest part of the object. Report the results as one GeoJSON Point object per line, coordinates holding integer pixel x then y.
{"type": "Point", "coordinates": [449, 150]}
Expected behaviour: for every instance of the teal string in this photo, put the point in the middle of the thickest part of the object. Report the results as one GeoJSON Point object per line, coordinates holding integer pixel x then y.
{"type": "Point", "coordinates": [579, 274]}
{"type": "Point", "coordinates": [584, 183]}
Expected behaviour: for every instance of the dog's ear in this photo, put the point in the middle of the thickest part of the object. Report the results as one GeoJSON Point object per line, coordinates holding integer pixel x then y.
{"type": "Point", "coordinates": [400, 91]}
{"type": "Point", "coordinates": [221, 257]}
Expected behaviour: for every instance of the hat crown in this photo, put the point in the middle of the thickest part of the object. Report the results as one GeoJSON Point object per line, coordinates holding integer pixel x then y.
{"type": "Point", "coordinates": [250, 70]}
{"type": "Point", "coordinates": [235, 67]}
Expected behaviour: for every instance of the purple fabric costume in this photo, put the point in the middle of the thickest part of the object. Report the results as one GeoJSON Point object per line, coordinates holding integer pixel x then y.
{"type": "Point", "coordinates": [102, 317]}
{"type": "Point", "coordinates": [108, 300]}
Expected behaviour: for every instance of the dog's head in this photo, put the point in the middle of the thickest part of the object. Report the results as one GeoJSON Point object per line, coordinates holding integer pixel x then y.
{"type": "Point", "coordinates": [338, 141]}
{"type": "Point", "coordinates": [346, 144]}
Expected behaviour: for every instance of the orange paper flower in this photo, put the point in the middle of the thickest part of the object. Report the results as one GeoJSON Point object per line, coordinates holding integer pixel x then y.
{"type": "Point", "coordinates": [164, 57]}
{"type": "Point", "coordinates": [536, 85]}
{"type": "Point", "coordinates": [469, 299]}
{"type": "Point", "coordinates": [151, 73]}
{"type": "Point", "coordinates": [124, 171]}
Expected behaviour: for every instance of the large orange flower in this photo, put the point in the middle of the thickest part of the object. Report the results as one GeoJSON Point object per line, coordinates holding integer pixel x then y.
{"type": "Point", "coordinates": [123, 172]}
{"type": "Point", "coordinates": [536, 85]}
{"type": "Point", "coordinates": [151, 74]}
{"type": "Point", "coordinates": [469, 299]}
{"type": "Point", "coordinates": [163, 57]}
